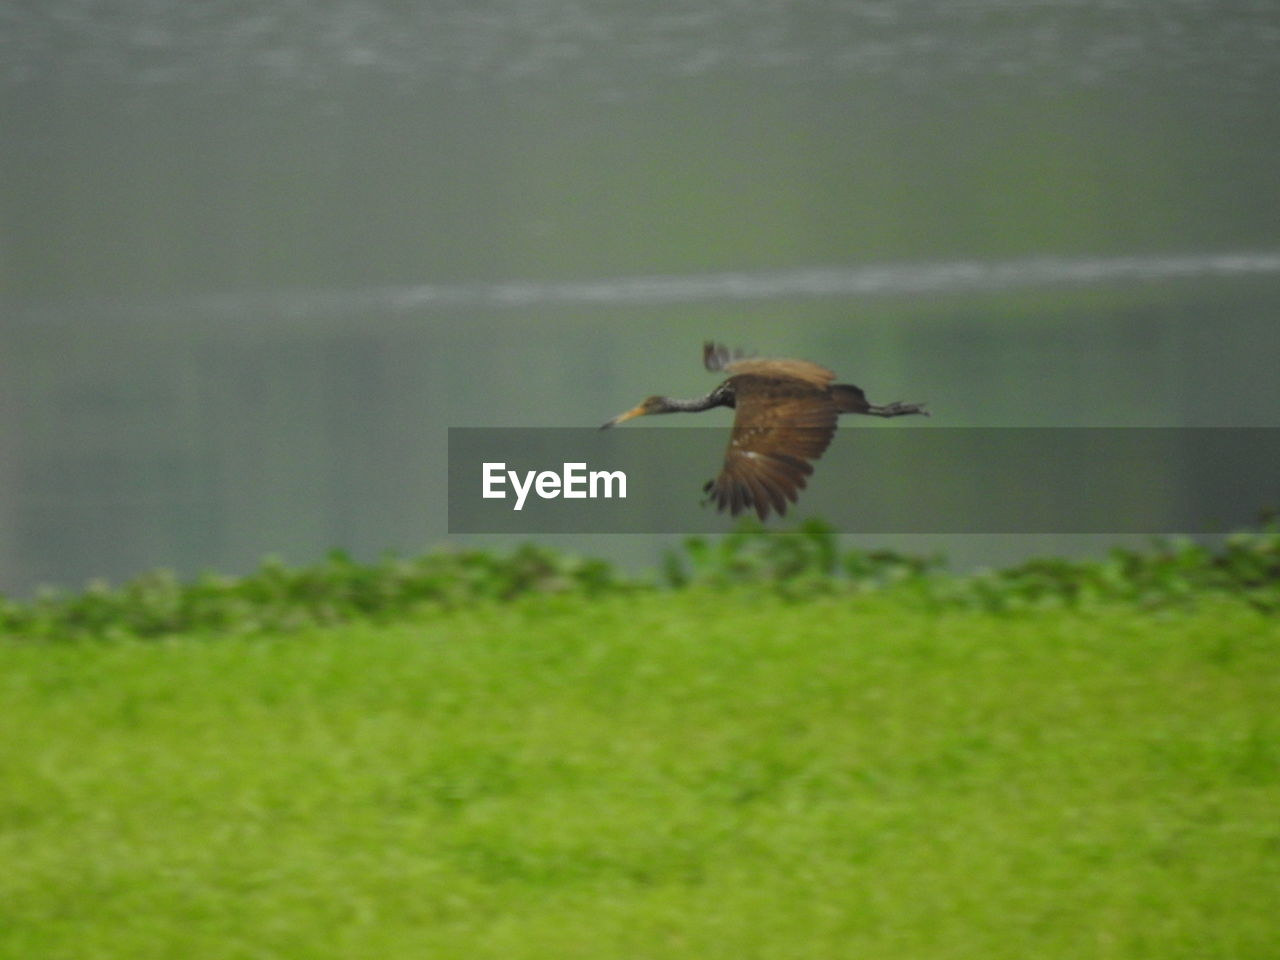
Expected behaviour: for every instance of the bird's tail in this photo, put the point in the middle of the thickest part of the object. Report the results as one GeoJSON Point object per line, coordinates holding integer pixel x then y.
{"type": "Point", "coordinates": [850, 399]}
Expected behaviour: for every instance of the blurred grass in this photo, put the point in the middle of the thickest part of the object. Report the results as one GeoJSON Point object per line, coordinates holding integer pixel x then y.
{"type": "Point", "coordinates": [703, 773]}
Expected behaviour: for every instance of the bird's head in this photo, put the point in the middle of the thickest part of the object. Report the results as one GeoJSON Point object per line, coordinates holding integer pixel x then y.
{"type": "Point", "coordinates": [647, 406]}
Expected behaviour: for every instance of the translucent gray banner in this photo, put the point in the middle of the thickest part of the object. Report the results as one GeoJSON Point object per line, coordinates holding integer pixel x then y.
{"type": "Point", "coordinates": [873, 479]}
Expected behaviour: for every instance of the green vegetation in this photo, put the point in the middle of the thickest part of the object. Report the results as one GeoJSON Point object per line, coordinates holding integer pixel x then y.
{"type": "Point", "coordinates": [781, 752]}
{"type": "Point", "coordinates": [804, 563]}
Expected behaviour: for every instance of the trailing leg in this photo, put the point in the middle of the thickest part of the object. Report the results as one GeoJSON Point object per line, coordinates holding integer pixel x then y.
{"type": "Point", "coordinates": [895, 409]}
{"type": "Point", "coordinates": [851, 399]}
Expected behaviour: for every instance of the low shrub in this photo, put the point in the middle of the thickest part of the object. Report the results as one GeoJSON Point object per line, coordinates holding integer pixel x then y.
{"type": "Point", "coordinates": [803, 562]}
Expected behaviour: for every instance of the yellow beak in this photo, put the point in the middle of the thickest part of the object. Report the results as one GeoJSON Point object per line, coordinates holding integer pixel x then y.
{"type": "Point", "coordinates": [624, 417]}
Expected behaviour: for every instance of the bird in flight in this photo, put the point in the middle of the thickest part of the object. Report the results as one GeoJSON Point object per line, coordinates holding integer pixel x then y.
{"type": "Point", "coordinates": [785, 416]}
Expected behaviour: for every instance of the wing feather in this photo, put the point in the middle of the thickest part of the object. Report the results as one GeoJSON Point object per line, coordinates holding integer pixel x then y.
{"type": "Point", "coordinates": [718, 357]}
{"type": "Point", "coordinates": [781, 424]}
{"type": "Point", "coordinates": [761, 495]}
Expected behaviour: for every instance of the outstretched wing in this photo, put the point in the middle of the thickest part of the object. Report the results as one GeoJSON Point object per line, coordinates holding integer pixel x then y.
{"type": "Point", "coordinates": [781, 424]}
{"type": "Point", "coordinates": [717, 357]}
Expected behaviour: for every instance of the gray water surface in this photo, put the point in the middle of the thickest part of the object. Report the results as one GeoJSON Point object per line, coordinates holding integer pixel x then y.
{"type": "Point", "coordinates": [257, 257]}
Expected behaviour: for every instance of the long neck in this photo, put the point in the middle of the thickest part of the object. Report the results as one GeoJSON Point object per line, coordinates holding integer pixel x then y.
{"type": "Point", "coordinates": [721, 396]}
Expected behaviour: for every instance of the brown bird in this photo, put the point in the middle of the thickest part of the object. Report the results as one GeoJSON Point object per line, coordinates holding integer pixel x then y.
{"type": "Point", "coordinates": [786, 416]}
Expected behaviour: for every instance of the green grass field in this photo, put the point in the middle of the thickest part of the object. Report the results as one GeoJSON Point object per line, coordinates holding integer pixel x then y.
{"type": "Point", "coordinates": [693, 774]}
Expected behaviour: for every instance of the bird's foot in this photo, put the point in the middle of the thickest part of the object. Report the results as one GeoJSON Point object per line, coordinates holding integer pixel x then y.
{"type": "Point", "coordinates": [897, 409]}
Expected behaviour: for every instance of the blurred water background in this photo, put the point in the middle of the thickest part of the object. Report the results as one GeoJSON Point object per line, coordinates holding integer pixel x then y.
{"type": "Point", "coordinates": [256, 257]}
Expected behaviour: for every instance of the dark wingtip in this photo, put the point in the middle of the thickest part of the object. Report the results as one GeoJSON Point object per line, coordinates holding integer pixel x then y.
{"type": "Point", "coordinates": [716, 356]}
